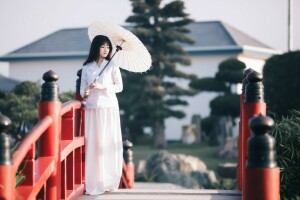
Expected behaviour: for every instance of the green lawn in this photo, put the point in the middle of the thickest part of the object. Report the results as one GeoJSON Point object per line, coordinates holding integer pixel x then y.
{"type": "Point", "coordinates": [205, 152]}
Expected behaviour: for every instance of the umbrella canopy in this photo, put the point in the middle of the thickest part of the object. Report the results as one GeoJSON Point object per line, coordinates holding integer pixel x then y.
{"type": "Point", "coordinates": [133, 55]}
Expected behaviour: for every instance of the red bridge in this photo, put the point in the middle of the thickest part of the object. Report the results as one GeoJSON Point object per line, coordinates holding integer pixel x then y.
{"type": "Point", "coordinates": [52, 154]}
{"type": "Point", "coordinates": [58, 170]}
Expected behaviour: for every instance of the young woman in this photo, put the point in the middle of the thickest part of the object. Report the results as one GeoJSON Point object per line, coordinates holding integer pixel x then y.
{"type": "Point", "coordinates": [104, 151]}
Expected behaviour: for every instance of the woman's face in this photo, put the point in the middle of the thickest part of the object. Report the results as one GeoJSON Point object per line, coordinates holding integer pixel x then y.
{"type": "Point", "coordinates": [104, 50]}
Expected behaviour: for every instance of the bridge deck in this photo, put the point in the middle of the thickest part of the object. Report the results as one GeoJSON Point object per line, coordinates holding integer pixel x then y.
{"type": "Point", "coordinates": [165, 192]}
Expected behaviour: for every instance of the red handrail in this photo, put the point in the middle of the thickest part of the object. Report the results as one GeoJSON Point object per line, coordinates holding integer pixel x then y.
{"type": "Point", "coordinates": [72, 152]}
{"type": "Point", "coordinates": [58, 171]}
{"type": "Point", "coordinates": [37, 186]}
{"type": "Point", "coordinates": [68, 106]}
{"type": "Point", "coordinates": [31, 137]}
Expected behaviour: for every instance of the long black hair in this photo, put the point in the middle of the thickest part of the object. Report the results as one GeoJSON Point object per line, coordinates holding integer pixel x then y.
{"type": "Point", "coordinates": [95, 48]}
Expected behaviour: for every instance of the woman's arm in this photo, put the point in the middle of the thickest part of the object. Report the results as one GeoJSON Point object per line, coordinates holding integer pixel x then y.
{"type": "Point", "coordinates": [83, 83]}
{"type": "Point", "coordinates": [117, 85]}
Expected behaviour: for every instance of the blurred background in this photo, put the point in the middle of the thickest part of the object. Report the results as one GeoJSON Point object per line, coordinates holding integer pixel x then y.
{"type": "Point", "coordinates": [189, 128]}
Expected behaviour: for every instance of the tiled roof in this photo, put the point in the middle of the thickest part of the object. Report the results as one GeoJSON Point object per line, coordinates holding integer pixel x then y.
{"type": "Point", "coordinates": [210, 37]}
{"type": "Point", "coordinates": [7, 84]}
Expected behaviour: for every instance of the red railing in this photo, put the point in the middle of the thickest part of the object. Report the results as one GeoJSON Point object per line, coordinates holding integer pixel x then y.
{"type": "Point", "coordinates": [258, 176]}
{"type": "Point", "coordinates": [57, 172]}
{"type": "Point", "coordinates": [72, 153]}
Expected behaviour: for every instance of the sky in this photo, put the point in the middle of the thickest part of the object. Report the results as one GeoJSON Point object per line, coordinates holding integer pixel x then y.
{"type": "Point", "coordinates": [23, 22]}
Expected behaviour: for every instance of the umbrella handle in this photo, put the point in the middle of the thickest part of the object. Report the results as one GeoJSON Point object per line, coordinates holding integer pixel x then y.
{"type": "Point", "coordinates": [118, 48]}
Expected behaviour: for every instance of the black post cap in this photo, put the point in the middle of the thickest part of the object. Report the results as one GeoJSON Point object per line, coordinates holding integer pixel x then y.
{"type": "Point", "coordinates": [5, 144]}
{"type": "Point", "coordinates": [261, 124]}
{"type": "Point", "coordinates": [78, 81]}
{"type": "Point", "coordinates": [50, 76]}
{"type": "Point", "coordinates": [127, 144]}
{"type": "Point", "coordinates": [5, 123]}
{"type": "Point", "coordinates": [254, 90]}
{"type": "Point", "coordinates": [254, 76]}
{"type": "Point", "coordinates": [261, 146]}
{"type": "Point", "coordinates": [245, 80]}
{"type": "Point", "coordinates": [127, 152]}
{"type": "Point", "coordinates": [49, 90]}
{"type": "Point", "coordinates": [247, 71]}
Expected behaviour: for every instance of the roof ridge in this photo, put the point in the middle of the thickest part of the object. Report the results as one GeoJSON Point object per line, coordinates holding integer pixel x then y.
{"type": "Point", "coordinates": [213, 34]}
{"type": "Point", "coordinates": [228, 27]}
{"type": "Point", "coordinates": [35, 41]}
{"type": "Point", "coordinates": [43, 37]}
{"type": "Point", "coordinates": [74, 28]}
{"type": "Point", "coordinates": [228, 32]}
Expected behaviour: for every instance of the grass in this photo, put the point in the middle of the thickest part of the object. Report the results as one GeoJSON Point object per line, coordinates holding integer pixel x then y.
{"type": "Point", "coordinates": [204, 151]}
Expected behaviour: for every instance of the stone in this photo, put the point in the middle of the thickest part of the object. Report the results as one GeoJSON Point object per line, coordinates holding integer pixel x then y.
{"type": "Point", "coordinates": [185, 170]}
{"type": "Point", "coordinates": [229, 150]}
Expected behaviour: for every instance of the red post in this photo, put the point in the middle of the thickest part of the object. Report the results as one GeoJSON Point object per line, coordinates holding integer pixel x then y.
{"type": "Point", "coordinates": [240, 139]}
{"type": "Point", "coordinates": [7, 174]}
{"type": "Point", "coordinates": [262, 174]}
{"type": "Point", "coordinates": [49, 143]}
{"type": "Point", "coordinates": [78, 113]}
{"type": "Point", "coordinates": [128, 158]}
{"type": "Point", "coordinates": [254, 104]}
{"type": "Point", "coordinates": [79, 128]}
{"type": "Point", "coordinates": [130, 175]}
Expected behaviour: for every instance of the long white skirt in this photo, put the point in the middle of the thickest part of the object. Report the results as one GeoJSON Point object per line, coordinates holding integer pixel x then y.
{"type": "Point", "coordinates": [104, 150]}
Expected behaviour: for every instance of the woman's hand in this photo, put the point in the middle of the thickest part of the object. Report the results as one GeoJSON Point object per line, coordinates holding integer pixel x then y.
{"type": "Point", "coordinates": [98, 86]}
{"type": "Point", "coordinates": [87, 91]}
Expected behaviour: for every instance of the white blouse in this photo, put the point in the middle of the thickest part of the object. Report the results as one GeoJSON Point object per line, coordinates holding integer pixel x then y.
{"type": "Point", "coordinates": [112, 80]}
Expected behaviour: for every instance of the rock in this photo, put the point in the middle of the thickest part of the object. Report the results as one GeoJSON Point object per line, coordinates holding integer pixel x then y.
{"type": "Point", "coordinates": [229, 150]}
{"type": "Point", "coordinates": [141, 167]}
{"type": "Point", "coordinates": [189, 163]}
{"type": "Point", "coordinates": [221, 131]}
{"type": "Point", "coordinates": [205, 179]}
{"type": "Point", "coordinates": [187, 171]}
{"type": "Point", "coordinates": [227, 170]}
{"type": "Point", "coordinates": [211, 176]}
{"type": "Point", "coordinates": [189, 134]}
{"type": "Point", "coordinates": [179, 178]}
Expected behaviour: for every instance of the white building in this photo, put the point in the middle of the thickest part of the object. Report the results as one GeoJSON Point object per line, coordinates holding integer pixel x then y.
{"type": "Point", "coordinates": [64, 52]}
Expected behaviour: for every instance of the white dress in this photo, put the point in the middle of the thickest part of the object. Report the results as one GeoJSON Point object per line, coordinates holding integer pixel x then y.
{"type": "Point", "coordinates": [103, 139]}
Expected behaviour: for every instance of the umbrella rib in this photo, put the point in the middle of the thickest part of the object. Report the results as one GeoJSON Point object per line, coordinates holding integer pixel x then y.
{"type": "Point", "coordinates": [138, 62]}
{"type": "Point", "coordinates": [134, 56]}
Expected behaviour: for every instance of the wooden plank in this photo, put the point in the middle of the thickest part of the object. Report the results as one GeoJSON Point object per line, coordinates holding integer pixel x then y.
{"type": "Point", "coordinates": [180, 194]}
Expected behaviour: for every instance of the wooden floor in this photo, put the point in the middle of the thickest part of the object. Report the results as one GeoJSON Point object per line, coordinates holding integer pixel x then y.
{"type": "Point", "coordinates": [166, 192]}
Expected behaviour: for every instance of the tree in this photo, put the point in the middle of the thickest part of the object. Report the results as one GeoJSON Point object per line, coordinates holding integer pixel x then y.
{"type": "Point", "coordinates": [287, 134]}
{"type": "Point", "coordinates": [27, 88]}
{"type": "Point", "coordinates": [20, 106]}
{"type": "Point", "coordinates": [281, 83]}
{"type": "Point", "coordinates": [230, 73]}
{"type": "Point", "coordinates": [66, 96]}
{"type": "Point", "coordinates": [150, 98]}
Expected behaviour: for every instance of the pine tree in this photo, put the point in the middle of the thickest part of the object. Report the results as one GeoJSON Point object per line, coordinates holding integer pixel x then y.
{"type": "Point", "coordinates": [227, 104]}
{"type": "Point", "coordinates": [281, 83]}
{"type": "Point", "coordinates": [20, 105]}
{"type": "Point", "coordinates": [150, 96]}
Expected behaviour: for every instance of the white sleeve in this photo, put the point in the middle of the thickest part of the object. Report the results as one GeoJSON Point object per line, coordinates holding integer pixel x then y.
{"type": "Point", "coordinates": [83, 83]}
{"type": "Point", "coordinates": [117, 85]}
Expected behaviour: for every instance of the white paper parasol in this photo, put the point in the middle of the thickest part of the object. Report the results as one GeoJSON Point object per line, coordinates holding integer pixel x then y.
{"type": "Point", "coordinates": [133, 55]}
